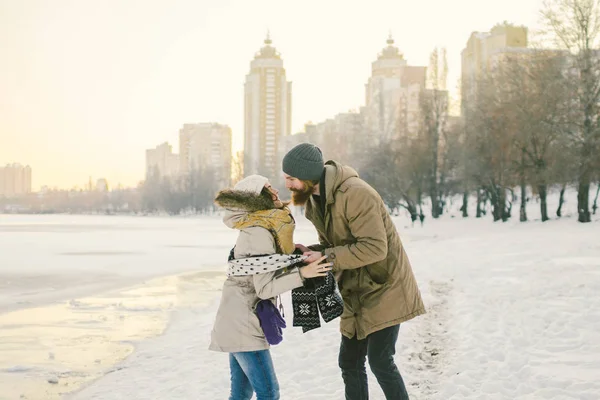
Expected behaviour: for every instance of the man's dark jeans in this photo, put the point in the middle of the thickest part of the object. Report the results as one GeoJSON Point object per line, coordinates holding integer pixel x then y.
{"type": "Point", "coordinates": [380, 348]}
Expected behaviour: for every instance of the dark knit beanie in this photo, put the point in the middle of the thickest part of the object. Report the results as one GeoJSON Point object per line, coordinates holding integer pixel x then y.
{"type": "Point", "coordinates": [304, 162]}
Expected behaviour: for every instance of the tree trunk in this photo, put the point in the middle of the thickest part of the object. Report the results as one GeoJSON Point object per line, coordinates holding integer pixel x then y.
{"type": "Point", "coordinates": [479, 200]}
{"type": "Point", "coordinates": [561, 201]}
{"type": "Point", "coordinates": [595, 206]}
{"type": "Point", "coordinates": [506, 210]}
{"type": "Point", "coordinates": [484, 203]}
{"type": "Point", "coordinates": [414, 215]}
{"type": "Point", "coordinates": [434, 190]}
{"type": "Point", "coordinates": [443, 193]}
{"type": "Point", "coordinates": [543, 190]}
{"type": "Point", "coordinates": [583, 199]}
{"type": "Point", "coordinates": [410, 207]}
{"type": "Point", "coordinates": [464, 209]}
{"type": "Point", "coordinates": [523, 209]}
{"type": "Point", "coordinates": [498, 202]}
{"type": "Point", "coordinates": [523, 184]}
{"type": "Point", "coordinates": [435, 213]}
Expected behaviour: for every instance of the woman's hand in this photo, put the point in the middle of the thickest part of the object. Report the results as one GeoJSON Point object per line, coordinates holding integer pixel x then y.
{"type": "Point", "coordinates": [312, 256]}
{"type": "Point", "coordinates": [315, 269]}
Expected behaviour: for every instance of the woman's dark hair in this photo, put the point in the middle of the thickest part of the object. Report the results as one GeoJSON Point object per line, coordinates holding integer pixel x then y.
{"type": "Point", "coordinates": [266, 193]}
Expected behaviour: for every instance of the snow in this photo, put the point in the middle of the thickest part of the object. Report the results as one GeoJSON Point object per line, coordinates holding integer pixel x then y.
{"type": "Point", "coordinates": [51, 258]}
{"type": "Point", "coordinates": [122, 308]}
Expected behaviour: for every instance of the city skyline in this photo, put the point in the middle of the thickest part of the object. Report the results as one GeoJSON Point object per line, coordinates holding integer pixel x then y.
{"type": "Point", "coordinates": [15, 179]}
{"type": "Point", "coordinates": [89, 104]}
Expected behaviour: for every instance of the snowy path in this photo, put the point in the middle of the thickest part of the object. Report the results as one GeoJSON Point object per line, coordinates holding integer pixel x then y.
{"type": "Point", "coordinates": [170, 367]}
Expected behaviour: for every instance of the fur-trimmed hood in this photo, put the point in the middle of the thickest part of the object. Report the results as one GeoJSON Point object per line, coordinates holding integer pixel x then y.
{"type": "Point", "coordinates": [239, 203]}
{"type": "Point", "coordinates": [238, 200]}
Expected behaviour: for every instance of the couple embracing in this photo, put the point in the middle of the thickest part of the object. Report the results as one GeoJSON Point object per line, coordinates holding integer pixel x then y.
{"type": "Point", "coordinates": [358, 271]}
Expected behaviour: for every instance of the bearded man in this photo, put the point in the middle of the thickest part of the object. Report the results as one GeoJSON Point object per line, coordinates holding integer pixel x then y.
{"type": "Point", "coordinates": [374, 274]}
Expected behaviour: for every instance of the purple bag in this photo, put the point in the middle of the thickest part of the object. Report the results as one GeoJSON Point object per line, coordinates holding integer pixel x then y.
{"type": "Point", "coordinates": [271, 321]}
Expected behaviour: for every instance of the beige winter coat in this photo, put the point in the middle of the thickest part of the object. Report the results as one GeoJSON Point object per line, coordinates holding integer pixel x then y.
{"type": "Point", "coordinates": [357, 233]}
{"type": "Point", "coordinates": [236, 326]}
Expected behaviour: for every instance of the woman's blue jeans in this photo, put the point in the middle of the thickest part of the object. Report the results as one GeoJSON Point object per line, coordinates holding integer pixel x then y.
{"type": "Point", "coordinates": [252, 371]}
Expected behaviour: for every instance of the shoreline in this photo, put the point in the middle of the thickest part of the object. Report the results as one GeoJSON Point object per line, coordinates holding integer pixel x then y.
{"type": "Point", "coordinates": [66, 346]}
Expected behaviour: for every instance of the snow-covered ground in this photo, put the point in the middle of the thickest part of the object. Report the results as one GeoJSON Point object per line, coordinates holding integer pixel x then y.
{"type": "Point", "coordinates": [514, 311]}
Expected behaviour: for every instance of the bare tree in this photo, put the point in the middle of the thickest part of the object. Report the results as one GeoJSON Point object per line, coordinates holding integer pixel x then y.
{"type": "Point", "coordinates": [397, 171]}
{"type": "Point", "coordinates": [492, 131]}
{"type": "Point", "coordinates": [537, 101]}
{"type": "Point", "coordinates": [575, 26]}
{"type": "Point", "coordinates": [434, 114]}
{"type": "Point", "coordinates": [200, 188]}
{"type": "Point", "coordinates": [465, 162]}
{"type": "Point", "coordinates": [450, 158]}
{"type": "Point", "coordinates": [192, 192]}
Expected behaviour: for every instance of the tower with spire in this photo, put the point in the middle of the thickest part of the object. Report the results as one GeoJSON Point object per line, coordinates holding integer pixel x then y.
{"type": "Point", "coordinates": [267, 113]}
{"type": "Point", "coordinates": [392, 95]}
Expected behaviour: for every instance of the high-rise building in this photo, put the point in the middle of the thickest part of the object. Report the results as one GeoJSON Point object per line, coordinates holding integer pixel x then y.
{"type": "Point", "coordinates": [15, 180]}
{"type": "Point", "coordinates": [267, 113]}
{"type": "Point", "coordinates": [339, 137]}
{"type": "Point", "coordinates": [161, 161]}
{"type": "Point", "coordinates": [483, 51]}
{"type": "Point", "coordinates": [393, 96]}
{"type": "Point", "coordinates": [206, 146]}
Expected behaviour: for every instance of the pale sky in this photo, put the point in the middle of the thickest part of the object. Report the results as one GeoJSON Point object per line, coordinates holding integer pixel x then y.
{"type": "Point", "coordinates": [87, 86]}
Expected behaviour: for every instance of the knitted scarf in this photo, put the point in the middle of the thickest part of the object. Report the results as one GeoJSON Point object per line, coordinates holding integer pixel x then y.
{"type": "Point", "coordinates": [317, 296]}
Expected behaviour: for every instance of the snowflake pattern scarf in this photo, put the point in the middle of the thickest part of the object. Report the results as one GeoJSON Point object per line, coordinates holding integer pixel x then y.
{"type": "Point", "coordinates": [318, 295]}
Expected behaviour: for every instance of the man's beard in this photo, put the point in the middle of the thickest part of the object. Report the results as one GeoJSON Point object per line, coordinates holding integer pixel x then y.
{"type": "Point", "coordinates": [301, 196]}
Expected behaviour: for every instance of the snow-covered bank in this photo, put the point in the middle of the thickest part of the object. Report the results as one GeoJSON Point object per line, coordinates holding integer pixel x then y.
{"type": "Point", "coordinates": [512, 315]}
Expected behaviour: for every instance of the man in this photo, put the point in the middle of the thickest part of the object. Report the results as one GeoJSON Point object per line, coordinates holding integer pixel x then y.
{"type": "Point", "coordinates": [374, 274]}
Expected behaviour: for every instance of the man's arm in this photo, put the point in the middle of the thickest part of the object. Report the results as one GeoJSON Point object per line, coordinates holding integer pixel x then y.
{"type": "Point", "coordinates": [321, 246]}
{"type": "Point", "coordinates": [366, 225]}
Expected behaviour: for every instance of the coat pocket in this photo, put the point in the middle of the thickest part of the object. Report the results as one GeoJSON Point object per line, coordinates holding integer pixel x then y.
{"type": "Point", "coordinates": [377, 273]}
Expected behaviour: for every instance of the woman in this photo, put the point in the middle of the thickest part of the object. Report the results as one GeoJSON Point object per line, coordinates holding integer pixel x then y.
{"type": "Point", "coordinates": [266, 228]}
